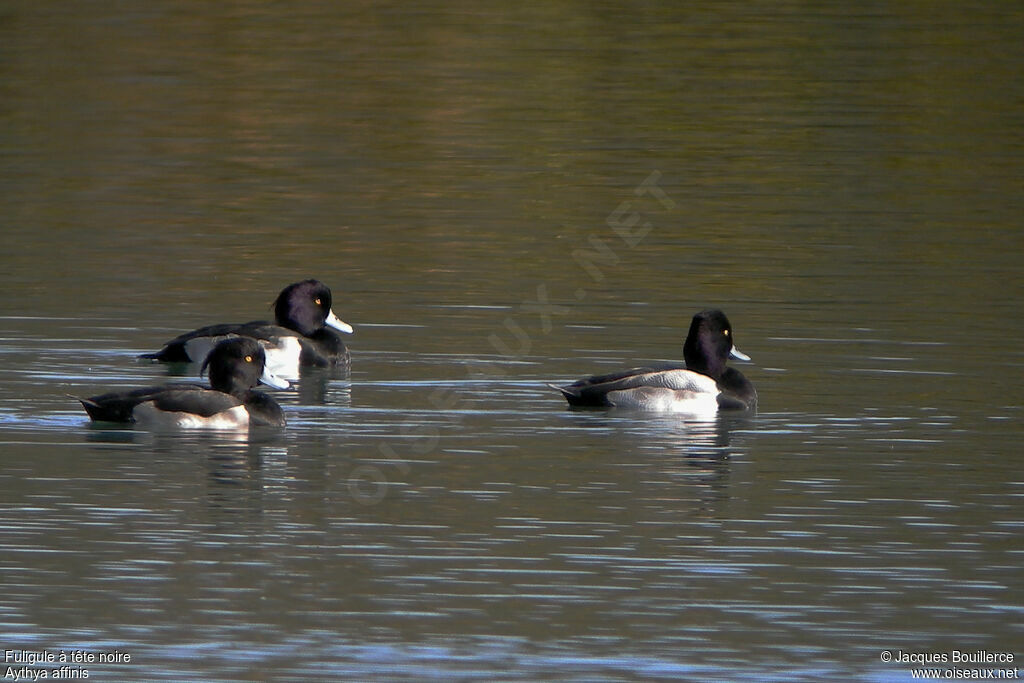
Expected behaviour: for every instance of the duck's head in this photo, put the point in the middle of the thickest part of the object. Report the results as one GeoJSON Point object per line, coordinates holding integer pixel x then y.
{"type": "Point", "coordinates": [710, 343]}
{"type": "Point", "coordinates": [238, 364]}
{"type": "Point", "coordinates": [306, 308]}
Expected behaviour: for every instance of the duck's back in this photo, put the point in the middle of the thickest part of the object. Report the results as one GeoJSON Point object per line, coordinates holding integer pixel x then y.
{"type": "Point", "coordinates": [128, 406]}
{"type": "Point", "coordinates": [193, 347]}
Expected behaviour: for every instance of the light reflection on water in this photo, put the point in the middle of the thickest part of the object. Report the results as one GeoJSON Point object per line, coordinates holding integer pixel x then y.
{"type": "Point", "coordinates": [510, 533]}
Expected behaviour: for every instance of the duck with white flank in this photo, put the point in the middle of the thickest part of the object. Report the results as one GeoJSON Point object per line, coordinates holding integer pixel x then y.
{"type": "Point", "coordinates": [703, 386]}
{"type": "Point", "coordinates": [236, 366]}
{"type": "Point", "coordinates": [303, 333]}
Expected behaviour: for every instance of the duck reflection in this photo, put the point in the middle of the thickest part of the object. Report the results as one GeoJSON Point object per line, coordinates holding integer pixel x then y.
{"type": "Point", "coordinates": [231, 458]}
{"type": "Point", "coordinates": [681, 466]}
{"type": "Point", "coordinates": [322, 386]}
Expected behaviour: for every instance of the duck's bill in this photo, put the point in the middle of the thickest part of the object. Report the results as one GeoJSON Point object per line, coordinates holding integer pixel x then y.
{"type": "Point", "coordinates": [737, 354]}
{"type": "Point", "coordinates": [272, 380]}
{"type": "Point", "coordinates": [337, 323]}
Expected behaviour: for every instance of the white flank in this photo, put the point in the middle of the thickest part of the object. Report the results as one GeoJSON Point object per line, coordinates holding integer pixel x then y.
{"type": "Point", "coordinates": [147, 415]}
{"type": "Point", "coordinates": [283, 355]}
{"type": "Point", "coordinates": [696, 404]}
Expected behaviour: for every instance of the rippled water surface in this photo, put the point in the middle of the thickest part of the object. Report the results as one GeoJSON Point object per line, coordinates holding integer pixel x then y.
{"type": "Point", "coordinates": [503, 197]}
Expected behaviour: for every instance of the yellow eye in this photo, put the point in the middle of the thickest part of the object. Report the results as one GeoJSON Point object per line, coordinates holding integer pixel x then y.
{"type": "Point", "coordinates": [726, 333]}
{"type": "Point", "coordinates": [248, 359]}
{"type": "Point", "coordinates": [317, 301]}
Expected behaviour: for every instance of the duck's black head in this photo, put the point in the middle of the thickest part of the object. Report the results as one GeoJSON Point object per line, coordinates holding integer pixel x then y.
{"type": "Point", "coordinates": [238, 364]}
{"type": "Point", "coordinates": [709, 344]}
{"type": "Point", "coordinates": [305, 307]}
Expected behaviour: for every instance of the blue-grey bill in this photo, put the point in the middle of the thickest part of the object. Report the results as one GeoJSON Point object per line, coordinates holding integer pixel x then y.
{"type": "Point", "coordinates": [272, 380]}
{"type": "Point", "coordinates": [337, 323]}
{"type": "Point", "coordinates": [737, 354]}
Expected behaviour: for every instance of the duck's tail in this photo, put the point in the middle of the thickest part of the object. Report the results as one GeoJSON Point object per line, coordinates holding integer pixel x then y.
{"type": "Point", "coordinates": [90, 406]}
{"type": "Point", "coordinates": [555, 387]}
{"type": "Point", "coordinates": [571, 393]}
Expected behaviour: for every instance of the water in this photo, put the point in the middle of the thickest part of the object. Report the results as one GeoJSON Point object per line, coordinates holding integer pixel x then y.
{"type": "Point", "coordinates": [502, 198]}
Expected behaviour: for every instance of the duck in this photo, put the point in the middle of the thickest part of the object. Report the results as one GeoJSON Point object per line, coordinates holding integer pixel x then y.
{"type": "Point", "coordinates": [704, 385]}
{"type": "Point", "coordinates": [236, 365]}
{"type": "Point", "coordinates": [302, 334]}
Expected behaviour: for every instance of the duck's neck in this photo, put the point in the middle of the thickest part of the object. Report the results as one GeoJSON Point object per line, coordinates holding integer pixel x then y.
{"type": "Point", "coordinates": [303, 326]}
{"type": "Point", "coordinates": [703, 358]}
{"type": "Point", "coordinates": [229, 383]}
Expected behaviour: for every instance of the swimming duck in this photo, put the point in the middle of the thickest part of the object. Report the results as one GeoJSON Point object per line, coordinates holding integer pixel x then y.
{"type": "Point", "coordinates": [703, 385]}
{"type": "Point", "coordinates": [236, 365]}
{"type": "Point", "coordinates": [301, 335]}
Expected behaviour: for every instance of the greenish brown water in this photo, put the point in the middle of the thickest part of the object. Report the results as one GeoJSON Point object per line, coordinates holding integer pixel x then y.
{"type": "Point", "coordinates": [502, 197]}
